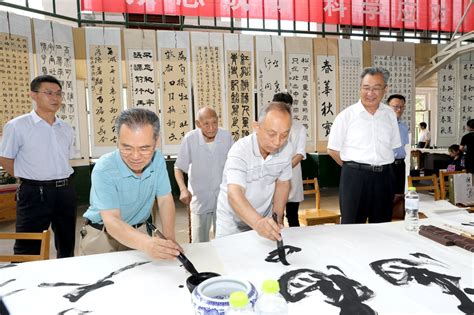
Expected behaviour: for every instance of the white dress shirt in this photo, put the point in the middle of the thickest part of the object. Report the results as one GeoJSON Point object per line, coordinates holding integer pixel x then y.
{"type": "Point", "coordinates": [41, 151]}
{"type": "Point", "coordinates": [365, 138]}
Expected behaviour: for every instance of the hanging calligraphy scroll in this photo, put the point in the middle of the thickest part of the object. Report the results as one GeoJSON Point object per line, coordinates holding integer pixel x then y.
{"type": "Point", "coordinates": [326, 85]}
{"type": "Point", "coordinates": [103, 47]}
{"type": "Point", "coordinates": [142, 87]}
{"type": "Point", "coordinates": [175, 88]}
{"type": "Point", "coordinates": [350, 68]}
{"type": "Point", "coordinates": [239, 84]}
{"type": "Point", "coordinates": [466, 85]}
{"type": "Point", "coordinates": [299, 61]}
{"type": "Point", "coordinates": [16, 67]}
{"type": "Point", "coordinates": [447, 108]}
{"type": "Point", "coordinates": [399, 60]}
{"type": "Point", "coordinates": [208, 73]}
{"type": "Point", "coordinates": [55, 56]}
{"type": "Point", "coordinates": [270, 68]}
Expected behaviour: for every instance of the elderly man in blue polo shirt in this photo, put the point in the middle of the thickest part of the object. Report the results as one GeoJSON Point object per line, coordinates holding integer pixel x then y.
{"type": "Point", "coordinates": [124, 185]}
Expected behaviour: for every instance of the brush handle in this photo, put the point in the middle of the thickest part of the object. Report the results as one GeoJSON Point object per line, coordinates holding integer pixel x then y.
{"type": "Point", "coordinates": [275, 218]}
{"type": "Point", "coordinates": [183, 259]}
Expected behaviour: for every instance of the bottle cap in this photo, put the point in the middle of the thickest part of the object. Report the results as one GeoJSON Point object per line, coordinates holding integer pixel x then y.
{"type": "Point", "coordinates": [271, 286]}
{"type": "Point", "coordinates": [238, 299]}
{"type": "Point", "coordinates": [411, 188]}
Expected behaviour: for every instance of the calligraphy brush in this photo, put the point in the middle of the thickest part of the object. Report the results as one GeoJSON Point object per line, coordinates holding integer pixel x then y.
{"type": "Point", "coordinates": [280, 249]}
{"type": "Point", "coordinates": [181, 257]}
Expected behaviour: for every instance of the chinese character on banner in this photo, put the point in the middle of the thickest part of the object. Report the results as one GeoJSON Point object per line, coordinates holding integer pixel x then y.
{"type": "Point", "coordinates": [141, 71]}
{"type": "Point", "coordinates": [15, 77]}
{"type": "Point", "coordinates": [371, 9]}
{"type": "Point", "coordinates": [239, 92]}
{"type": "Point", "coordinates": [106, 92]}
{"type": "Point", "coordinates": [192, 4]}
{"type": "Point", "coordinates": [269, 77]}
{"type": "Point", "coordinates": [326, 87]}
{"type": "Point", "coordinates": [176, 101]}
{"type": "Point", "coordinates": [447, 86]}
{"type": "Point", "coordinates": [334, 6]}
{"type": "Point", "coordinates": [401, 69]}
{"type": "Point", "coordinates": [300, 87]}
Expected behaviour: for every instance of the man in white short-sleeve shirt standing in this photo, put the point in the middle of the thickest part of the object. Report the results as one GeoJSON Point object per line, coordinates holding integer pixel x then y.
{"type": "Point", "coordinates": [256, 179]}
{"type": "Point", "coordinates": [202, 156]}
{"type": "Point", "coordinates": [362, 140]}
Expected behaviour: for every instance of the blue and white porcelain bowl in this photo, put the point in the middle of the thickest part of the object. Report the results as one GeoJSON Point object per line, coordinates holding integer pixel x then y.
{"type": "Point", "coordinates": [212, 295]}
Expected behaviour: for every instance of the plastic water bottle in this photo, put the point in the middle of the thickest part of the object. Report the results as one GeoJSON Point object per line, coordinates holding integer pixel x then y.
{"type": "Point", "coordinates": [239, 304]}
{"type": "Point", "coordinates": [271, 302]}
{"type": "Point", "coordinates": [411, 210]}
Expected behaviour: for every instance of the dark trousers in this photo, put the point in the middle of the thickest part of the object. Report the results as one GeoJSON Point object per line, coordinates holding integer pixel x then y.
{"type": "Point", "coordinates": [37, 207]}
{"type": "Point", "coordinates": [292, 213]}
{"type": "Point", "coordinates": [364, 194]}
{"type": "Point", "coordinates": [399, 173]}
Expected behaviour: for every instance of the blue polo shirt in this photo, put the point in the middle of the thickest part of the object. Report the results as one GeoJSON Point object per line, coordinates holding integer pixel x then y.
{"type": "Point", "coordinates": [115, 186]}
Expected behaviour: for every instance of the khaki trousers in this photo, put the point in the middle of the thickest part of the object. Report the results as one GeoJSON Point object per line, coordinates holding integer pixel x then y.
{"type": "Point", "coordinates": [97, 241]}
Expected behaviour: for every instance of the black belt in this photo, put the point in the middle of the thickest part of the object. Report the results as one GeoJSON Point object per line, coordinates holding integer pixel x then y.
{"type": "Point", "coordinates": [98, 226]}
{"type": "Point", "coordinates": [367, 167]}
{"type": "Point", "coordinates": [398, 161]}
{"type": "Point", "coordinates": [50, 183]}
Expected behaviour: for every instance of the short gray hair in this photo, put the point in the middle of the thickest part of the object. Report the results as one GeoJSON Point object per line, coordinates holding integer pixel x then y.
{"type": "Point", "coordinates": [376, 70]}
{"type": "Point", "coordinates": [274, 106]}
{"type": "Point", "coordinates": [135, 118]}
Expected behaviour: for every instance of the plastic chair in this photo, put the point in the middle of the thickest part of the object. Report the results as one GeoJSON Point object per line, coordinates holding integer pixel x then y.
{"type": "Point", "coordinates": [422, 186]}
{"type": "Point", "coordinates": [317, 215]}
{"type": "Point", "coordinates": [44, 237]}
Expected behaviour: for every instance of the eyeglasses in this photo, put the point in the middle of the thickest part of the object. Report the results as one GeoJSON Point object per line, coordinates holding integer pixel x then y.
{"type": "Point", "coordinates": [398, 107]}
{"type": "Point", "coordinates": [368, 89]}
{"type": "Point", "coordinates": [51, 93]}
{"type": "Point", "coordinates": [143, 151]}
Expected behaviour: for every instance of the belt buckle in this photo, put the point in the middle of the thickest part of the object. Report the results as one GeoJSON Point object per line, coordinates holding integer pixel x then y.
{"type": "Point", "coordinates": [377, 168]}
{"type": "Point", "coordinates": [61, 183]}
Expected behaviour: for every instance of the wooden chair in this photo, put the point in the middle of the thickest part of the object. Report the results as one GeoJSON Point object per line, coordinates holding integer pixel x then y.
{"type": "Point", "coordinates": [443, 183]}
{"type": "Point", "coordinates": [317, 215]}
{"type": "Point", "coordinates": [44, 237]}
{"type": "Point", "coordinates": [433, 185]}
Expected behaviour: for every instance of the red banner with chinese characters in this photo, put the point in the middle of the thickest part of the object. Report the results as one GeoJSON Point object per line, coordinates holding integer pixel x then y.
{"type": "Point", "coordinates": [442, 15]}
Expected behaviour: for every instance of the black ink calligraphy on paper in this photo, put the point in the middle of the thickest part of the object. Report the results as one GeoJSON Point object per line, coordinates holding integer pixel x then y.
{"type": "Point", "coordinates": [402, 272]}
{"type": "Point", "coordinates": [74, 311]}
{"type": "Point", "coordinates": [340, 291]}
{"type": "Point", "coordinates": [83, 289]}
{"type": "Point", "coordinates": [8, 266]}
{"type": "Point", "coordinates": [274, 257]}
{"type": "Point", "coordinates": [6, 282]}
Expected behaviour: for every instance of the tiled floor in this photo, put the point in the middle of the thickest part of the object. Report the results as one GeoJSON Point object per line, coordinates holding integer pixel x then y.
{"type": "Point", "coordinates": [329, 201]}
